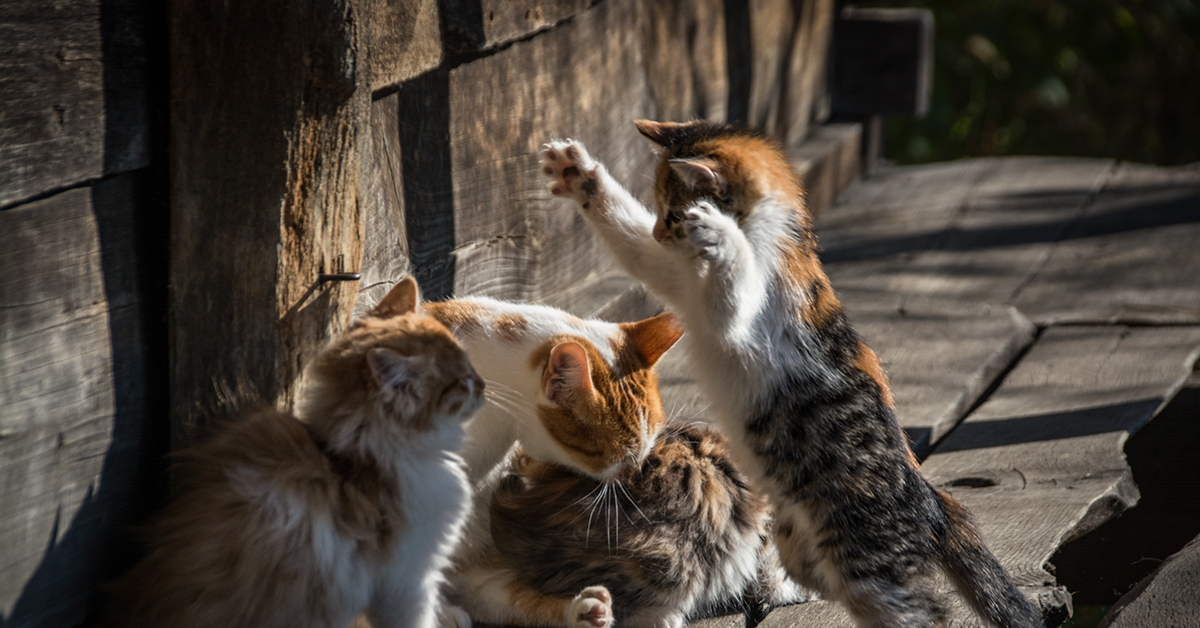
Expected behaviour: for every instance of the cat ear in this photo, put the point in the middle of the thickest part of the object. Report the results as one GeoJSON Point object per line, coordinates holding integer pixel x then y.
{"type": "Point", "coordinates": [652, 337]}
{"type": "Point", "coordinates": [661, 133]}
{"type": "Point", "coordinates": [568, 374]}
{"type": "Point", "coordinates": [700, 173]}
{"type": "Point", "coordinates": [403, 298]}
{"type": "Point", "coordinates": [393, 371]}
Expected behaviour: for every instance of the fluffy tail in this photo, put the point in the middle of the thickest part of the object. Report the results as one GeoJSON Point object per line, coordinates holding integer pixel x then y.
{"type": "Point", "coordinates": [977, 574]}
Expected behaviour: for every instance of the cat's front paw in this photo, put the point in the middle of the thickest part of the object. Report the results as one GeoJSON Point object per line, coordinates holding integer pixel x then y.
{"type": "Point", "coordinates": [450, 616]}
{"type": "Point", "coordinates": [707, 230]}
{"type": "Point", "coordinates": [592, 608]}
{"type": "Point", "coordinates": [572, 172]}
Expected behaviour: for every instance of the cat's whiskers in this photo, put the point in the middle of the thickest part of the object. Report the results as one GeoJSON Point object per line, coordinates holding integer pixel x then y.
{"type": "Point", "coordinates": [632, 501]}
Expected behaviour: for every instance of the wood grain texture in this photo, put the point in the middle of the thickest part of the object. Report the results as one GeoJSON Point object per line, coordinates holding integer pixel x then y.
{"type": "Point", "coordinates": [686, 59]}
{"type": "Point", "coordinates": [52, 96]}
{"type": "Point", "coordinates": [1131, 258]}
{"type": "Point", "coordinates": [827, 162]}
{"type": "Point", "coordinates": [406, 39]}
{"type": "Point", "coordinates": [511, 239]}
{"type": "Point", "coordinates": [57, 392]}
{"type": "Point", "coordinates": [268, 133]}
{"type": "Point", "coordinates": [385, 238]}
{"type": "Point", "coordinates": [1166, 597]}
{"type": "Point", "coordinates": [476, 25]}
{"type": "Point", "coordinates": [787, 43]}
{"type": "Point", "coordinates": [1040, 462]}
{"type": "Point", "coordinates": [970, 230]}
{"type": "Point", "coordinates": [941, 357]}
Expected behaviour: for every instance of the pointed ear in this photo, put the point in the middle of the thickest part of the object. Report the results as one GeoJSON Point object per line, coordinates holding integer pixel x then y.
{"type": "Point", "coordinates": [652, 337]}
{"type": "Point", "coordinates": [700, 173]}
{"type": "Point", "coordinates": [394, 372]}
{"type": "Point", "coordinates": [661, 133]}
{"type": "Point", "coordinates": [403, 298]}
{"type": "Point", "coordinates": [568, 374]}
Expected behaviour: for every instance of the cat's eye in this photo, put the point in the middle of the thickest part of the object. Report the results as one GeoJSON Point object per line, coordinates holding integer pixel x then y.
{"type": "Point", "coordinates": [670, 219]}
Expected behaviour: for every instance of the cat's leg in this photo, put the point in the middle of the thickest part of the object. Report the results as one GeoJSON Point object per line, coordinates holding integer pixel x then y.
{"type": "Point", "coordinates": [737, 281]}
{"type": "Point", "coordinates": [657, 617]}
{"type": "Point", "coordinates": [493, 596]}
{"type": "Point", "coordinates": [625, 225]}
{"type": "Point", "coordinates": [884, 604]}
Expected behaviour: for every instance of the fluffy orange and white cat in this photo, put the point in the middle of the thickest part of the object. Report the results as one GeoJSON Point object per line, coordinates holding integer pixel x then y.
{"type": "Point", "coordinates": [607, 511]}
{"type": "Point", "coordinates": [352, 507]}
{"type": "Point", "coordinates": [807, 408]}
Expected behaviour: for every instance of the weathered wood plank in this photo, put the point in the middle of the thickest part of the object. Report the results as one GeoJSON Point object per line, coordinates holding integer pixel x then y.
{"type": "Point", "coordinates": [268, 131]}
{"type": "Point", "coordinates": [940, 356]}
{"type": "Point", "coordinates": [972, 230]}
{"type": "Point", "coordinates": [406, 40]}
{"type": "Point", "coordinates": [511, 238]}
{"type": "Point", "coordinates": [1131, 258]}
{"type": "Point", "coordinates": [787, 44]}
{"type": "Point", "coordinates": [482, 24]}
{"type": "Point", "coordinates": [1041, 462]}
{"type": "Point", "coordinates": [385, 236]}
{"type": "Point", "coordinates": [1167, 597]}
{"type": "Point", "coordinates": [51, 96]}
{"type": "Point", "coordinates": [56, 391]}
{"type": "Point", "coordinates": [827, 162]}
{"type": "Point", "coordinates": [686, 59]}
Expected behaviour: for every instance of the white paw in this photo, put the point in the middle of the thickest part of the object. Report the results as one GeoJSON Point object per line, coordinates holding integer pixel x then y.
{"type": "Point", "coordinates": [592, 608]}
{"type": "Point", "coordinates": [450, 616]}
{"type": "Point", "coordinates": [572, 172]}
{"type": "Point", "coordinates": [705, 226]}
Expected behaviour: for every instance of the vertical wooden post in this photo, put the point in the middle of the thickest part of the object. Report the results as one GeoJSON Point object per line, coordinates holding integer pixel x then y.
{"type": "Point", "coordinates": [270, 108]}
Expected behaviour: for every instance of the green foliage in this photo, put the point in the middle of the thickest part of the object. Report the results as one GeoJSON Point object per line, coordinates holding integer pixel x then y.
{"type": "Point", "coordinates": [1104, 78]}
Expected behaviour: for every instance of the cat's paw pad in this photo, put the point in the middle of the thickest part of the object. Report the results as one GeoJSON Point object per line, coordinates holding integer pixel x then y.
{"type": "Point", "coordinates": [592, 608]}
{"type": "Point", "coordinates": [572, 172]}
{"type": "Point", "coordinates": [704, 225]}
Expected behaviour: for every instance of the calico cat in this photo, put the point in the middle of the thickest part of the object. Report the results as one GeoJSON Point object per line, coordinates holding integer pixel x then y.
{"type": "Point", "coordinates": [805, 403]}
{"type": "Point", "coordinates": [602, 512]}
{"type": "Point", "coordinates": [353, 507]}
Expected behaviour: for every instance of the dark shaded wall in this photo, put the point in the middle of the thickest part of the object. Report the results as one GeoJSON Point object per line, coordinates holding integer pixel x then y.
{"type": "Point", "coordinates": [83, 335]}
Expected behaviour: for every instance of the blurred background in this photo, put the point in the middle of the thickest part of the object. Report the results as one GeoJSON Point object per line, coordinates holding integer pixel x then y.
{"type": "Point", "coordinates": [1098, 78]}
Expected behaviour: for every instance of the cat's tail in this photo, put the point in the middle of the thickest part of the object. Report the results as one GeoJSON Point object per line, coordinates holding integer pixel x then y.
{"type": "Point", "coordinates": [977, 574]}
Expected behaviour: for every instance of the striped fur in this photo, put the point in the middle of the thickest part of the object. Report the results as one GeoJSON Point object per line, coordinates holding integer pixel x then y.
{"type": "Point", "coordinates": [603, 512]}
{"type": "Point", "coordinates": [806, 404]}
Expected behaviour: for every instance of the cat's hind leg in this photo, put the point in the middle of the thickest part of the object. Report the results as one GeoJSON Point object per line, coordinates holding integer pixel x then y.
{"type": "Point", "coordinates": [883, 604]}
{"type": "Point", "coordinates": [494, 596]}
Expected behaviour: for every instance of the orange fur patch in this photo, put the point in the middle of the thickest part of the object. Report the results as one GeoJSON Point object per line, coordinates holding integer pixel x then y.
{"type": "Point", "coordinates": [456, 315]}
{"type": "Point", "coordinates": [537, 608]}
{"type": "Point", "coordinates": [867, 362]}
{"type": "Point", "coordinates": [511, 326]}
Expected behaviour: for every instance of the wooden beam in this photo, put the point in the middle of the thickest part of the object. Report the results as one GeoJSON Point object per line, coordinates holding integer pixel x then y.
{"type": "Point", "coordinates": [52, 96]}
{"type": "Point", "coordinates": [269, 130]}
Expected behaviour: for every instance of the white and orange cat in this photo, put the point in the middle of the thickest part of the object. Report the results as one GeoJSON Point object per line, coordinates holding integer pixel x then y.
{"type": "Point", "coordinates": [805, 404]}
{"type": "Point", "coordinates": [352, 507]}
{"type": "Point", "coordinates": [606, 511]}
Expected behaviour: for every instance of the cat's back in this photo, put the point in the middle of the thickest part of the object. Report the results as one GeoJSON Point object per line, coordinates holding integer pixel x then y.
{"type": "Point", "coordinates": [252, 538]}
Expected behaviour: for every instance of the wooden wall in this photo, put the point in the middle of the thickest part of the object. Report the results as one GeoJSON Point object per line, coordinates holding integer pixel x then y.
{"type": "Point", "coordinates": [83, 218]}
{"type": "Point", "coordinates": [148, 283]}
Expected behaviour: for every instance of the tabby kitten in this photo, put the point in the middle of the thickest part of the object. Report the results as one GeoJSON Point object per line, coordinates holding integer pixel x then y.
{"type": "Point", "coordinates": [805, 403]}
{"type": "Point", "coordinates": [354, 507]}
{"type": "Point", "coordinates": [602, 512]}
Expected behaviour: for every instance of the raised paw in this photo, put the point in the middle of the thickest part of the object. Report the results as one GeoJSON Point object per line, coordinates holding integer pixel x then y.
{"type": "Point", "coordinates": [572, 172]}
{"type": "Point", "coordinates": [592, 608]}
{"type": "Point", "coordinates": [705, 226]}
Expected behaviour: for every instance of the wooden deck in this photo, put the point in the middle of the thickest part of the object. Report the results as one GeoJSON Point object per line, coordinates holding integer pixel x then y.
{"type": "Point", "coordinates": [1032, 314]}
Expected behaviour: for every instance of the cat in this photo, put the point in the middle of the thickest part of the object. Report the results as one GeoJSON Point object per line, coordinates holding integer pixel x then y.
{"type": "Point", "coordinates": [352, 507]}
{"type": "Point", "coordinates": [805, 403]}
{"type": "Point", "coordinates": [605, 511]}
